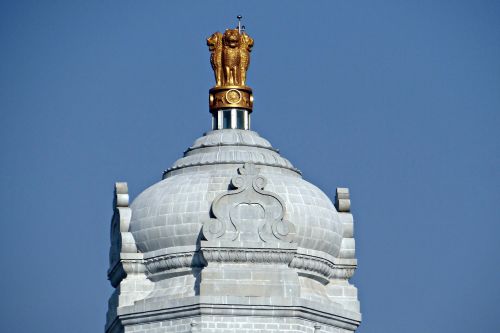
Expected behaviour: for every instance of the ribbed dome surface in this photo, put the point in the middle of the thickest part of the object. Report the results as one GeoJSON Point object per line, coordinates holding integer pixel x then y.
{"type": "Point", "coordinates": [171, 212]}
{"type": "Point", "coordinates": [231, 146]}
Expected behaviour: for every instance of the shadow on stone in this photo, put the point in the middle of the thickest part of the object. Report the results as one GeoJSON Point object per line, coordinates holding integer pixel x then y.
{"type": "Point", "coordinates": [197, 264]}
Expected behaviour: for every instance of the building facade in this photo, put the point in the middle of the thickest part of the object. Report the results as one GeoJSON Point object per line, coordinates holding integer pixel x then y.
{"type": "Point", "coordinates": [232, 239]}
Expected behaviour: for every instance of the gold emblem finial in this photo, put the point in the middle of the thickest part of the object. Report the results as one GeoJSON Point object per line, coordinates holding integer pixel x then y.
{"type": "Point", "coordinates": [230, 58]}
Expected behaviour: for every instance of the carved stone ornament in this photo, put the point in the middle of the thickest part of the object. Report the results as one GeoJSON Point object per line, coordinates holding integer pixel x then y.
{"type": "Point", "coordinates": [248, 213]}
{"type": "Point", "coordinates": [322, 266]}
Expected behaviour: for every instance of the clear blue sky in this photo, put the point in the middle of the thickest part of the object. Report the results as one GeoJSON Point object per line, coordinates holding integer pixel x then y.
{"type": "Point", "coordinates": [398, 100]}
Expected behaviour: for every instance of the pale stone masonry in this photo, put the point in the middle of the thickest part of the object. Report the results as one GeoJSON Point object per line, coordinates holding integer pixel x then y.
{"type": "Point", "coordinates": [233, 239]}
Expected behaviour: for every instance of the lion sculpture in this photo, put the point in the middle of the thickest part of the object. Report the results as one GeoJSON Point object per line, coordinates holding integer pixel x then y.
{"type": "Point", "coordinates": [214, 43]}
{"type": "Point", "coordinates": [230, 57]}
{"type": "Point", "coordinates": [246, 48]}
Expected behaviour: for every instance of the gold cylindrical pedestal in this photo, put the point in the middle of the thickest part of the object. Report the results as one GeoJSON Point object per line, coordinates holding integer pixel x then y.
{"type": "Point", "coordinates": [229, 97]}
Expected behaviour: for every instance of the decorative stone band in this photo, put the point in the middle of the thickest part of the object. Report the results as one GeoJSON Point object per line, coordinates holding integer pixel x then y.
{"type": "Point", "coordinates": [173, 258]}
{"type": "Point", "coordinates": [323, 264]}
{"type": "Point", "coordinates": [247, 252]}
{"type": "Point", "coordinates": [323, 267]}
{"type": "Point", "coordinates": [174, 261]}
{"type": "Point", "coordinates": [311, 311]}
{"type": "Point", "coordinates": [231, 255]}
{"type": "Point", "coordinates": [305, 260]}
{"type": "Point", "coordinates": [201, 160]}
{"type": "Point", "coordinates": [230, 144]}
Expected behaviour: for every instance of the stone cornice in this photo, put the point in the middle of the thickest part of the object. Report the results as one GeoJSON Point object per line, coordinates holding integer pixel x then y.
{"type": "Point", "coordinates": [323, 264]}
{"type": "Point", "coordinates": [305, 260]}
{"type": "Point", "coordinates": [228, 252]}
{"type": "Point", "coordinates": [323, 267]}
{"type": "Point", "coordinates": [172, 261]}
{"type": "Point", "coordinates": [128, 263]}
{"type": "Point", "coordinates": [323, 313]}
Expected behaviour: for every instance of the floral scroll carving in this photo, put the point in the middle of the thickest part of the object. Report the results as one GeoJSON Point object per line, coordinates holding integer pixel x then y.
{"type": "Point", "coordinates": [249, 213]}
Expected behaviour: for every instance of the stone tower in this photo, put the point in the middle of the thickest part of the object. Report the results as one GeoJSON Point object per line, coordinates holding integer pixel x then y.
{"type": "Point", "coordinates": [232, 239]}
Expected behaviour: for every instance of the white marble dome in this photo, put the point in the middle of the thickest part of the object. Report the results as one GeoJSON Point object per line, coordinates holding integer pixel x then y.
{"type": "Point", "coordinates": [171, 212]}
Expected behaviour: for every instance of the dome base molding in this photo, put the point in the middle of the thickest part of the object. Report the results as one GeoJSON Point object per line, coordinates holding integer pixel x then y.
{"type": "Point", "coordinates": [202, 313]}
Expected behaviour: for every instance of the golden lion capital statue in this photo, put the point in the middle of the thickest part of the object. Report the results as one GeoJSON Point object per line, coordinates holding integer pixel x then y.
{"type": "Point", "coordinates": [230, 57]}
